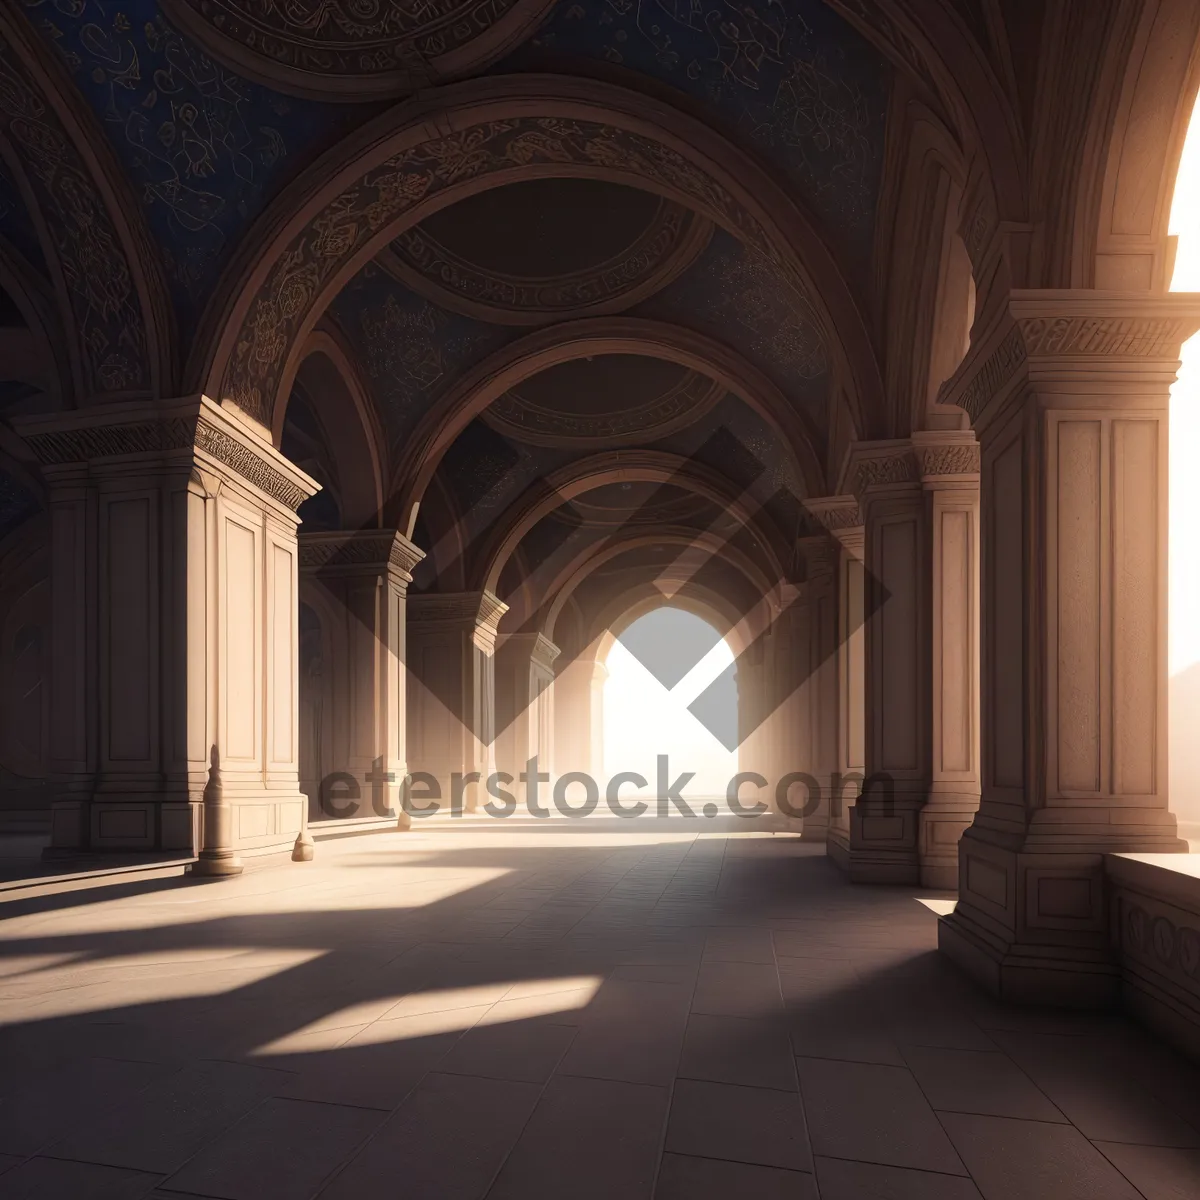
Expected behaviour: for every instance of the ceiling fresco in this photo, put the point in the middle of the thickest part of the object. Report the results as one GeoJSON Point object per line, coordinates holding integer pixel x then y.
{"type": "Point", "coordinates": [791, 80]}
{"type": "Point", "coordinates": [206, 149]}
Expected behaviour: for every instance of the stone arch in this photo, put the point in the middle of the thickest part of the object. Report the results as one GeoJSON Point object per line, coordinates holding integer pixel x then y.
{"type": "Point", "coordinates": [702, 602]}
{"type": "Point", "coordinates": [575, 573]}
{"type": "Point", "coordinates": [465, 138]}
{"type": "Point", "coordinates": [335, 388]}
{"type": "Point", "coordinates": [105, 270]}
{"type": "Point", "coordinates": [581, 339]}
{"type": "Point", "coordinates": [618, 466]}
{"type": "Point", "coordinates": [1133, 152]}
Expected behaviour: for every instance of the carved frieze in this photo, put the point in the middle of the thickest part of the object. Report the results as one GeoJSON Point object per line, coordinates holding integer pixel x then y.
{"type": "Point", "coordinates": [110, 326]}
{"type": "Point", "coordinates": [992, 375]}
{"type": "Point", "coordinates": [666, 247]}
{"type": "Point", "coordinates": [362, 548]}
{"type": "Point", "coordinates": [1101, 336]}
{"type": "Point", "coordinates": [89, 443]}
{"type": "Point", "coordinates": [835, 512]}
{"type": "Point", "coordinates": [385, 193]}
{"type": "Point", "coordinates": [351, 49]}
{"type": "Point", "coordinates": [957, 459]}
{"type": "Point", "coordinates": [1158, 941]}
{"type": "Point", "coordinates": [480, 609]}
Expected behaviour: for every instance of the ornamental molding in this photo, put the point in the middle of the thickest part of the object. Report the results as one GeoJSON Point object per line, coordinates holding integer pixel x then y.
{"type": "Point", "coordinates": [301, 273]}
{"type": "Point", "coordinates": [355, 50]}
{"type": "Point", "coordinates": [960, 458]}
{"type": "Point", "coordinates": [835, 512]}
{"type": "Point", "coordinates": [974, 388]}
{"type": "Point", "coordinates": [1107, 337]}
{"type": "Point", "coordinates": [682, 404]}
{"type": "Point", "coordinates": [875, 466]}
{"type": "Point", "coordinates": [358, 550]}
{"type": "Point", "coordinates": [473, 610]}
{"type": "Point", "coordinates": [1162, 942]}
{"type": "Point", "coordinates": [671, 242]}
{"type": "Point", "coordinates": [98, 280]}
{"type": "Point", "coordinates": [170, 435]}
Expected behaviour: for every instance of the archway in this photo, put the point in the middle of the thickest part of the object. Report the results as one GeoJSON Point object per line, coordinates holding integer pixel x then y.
{"type": "Point", "coordinates": [670, 706]}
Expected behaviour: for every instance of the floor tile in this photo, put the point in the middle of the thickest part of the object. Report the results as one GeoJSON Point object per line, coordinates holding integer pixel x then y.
{"type": "Point", "coordinates": [590, 1139]}
{"type": "Point", "coordinates": [725, 989]}
{"type": "Point", "coordinates": [58, 1179]}
{"type": "Point", "coordinates": [523, 1051]}
{"type": "Point", "coordinates": [69, 1096]}
{"type": "Point", "coordinates": [968, 1081]}
{"type": "Point", "coordinates": [1158, 1172]}
{"type": "Point", "coordinates": [744, 1050]}
{"type": "Point", "coordinates": [686, 1178]}
{"type": "Point", "coordinates": [873, 1113]}
{"type": "Point", "coordinates": [283, 1150]}
{"type": "Point", "coordinates": [445, 1142]}
{"type": "Point", "coordinates": [742, 1124]}
{"type": "Point", "coordinates": [841, 1179]}
{"type": "Point", "coordinates": [1030, 1160]}
{"type": "Point", "coordinates": [162, 1127]}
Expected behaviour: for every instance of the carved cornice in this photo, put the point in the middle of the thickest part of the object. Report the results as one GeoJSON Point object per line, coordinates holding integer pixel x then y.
{"type": "Point", "coordinates": [872, 467]}
{"type": "Point", "coordinates": [940, 455]}
{"type": "Point", "coordinates": [480, 610]}
{"type": "Point", "coordinates": [1107, 337]}
{"type": "Point", "coordinates": [197, 431]}
{"type": "Point", "coordinates": [670, 243]}
{"type": "Point", "coordinates": [353, 551]}
{"type": "Point", "coordinates": [835, 512]}
{"type": "Point", "coordinates": [989, 378]}
{"type": "Point", "coordinates": [354, 51]}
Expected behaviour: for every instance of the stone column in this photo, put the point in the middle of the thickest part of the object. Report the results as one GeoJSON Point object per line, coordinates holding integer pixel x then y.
{"type": "Point", "coordinates": [842, 517]}
{"type": "Point", "coordinates": [173, 579]}
{"type": "Point", "coordinates": [950, 475]}
{"type": "Point", "coordinates": [357, 581]}
{"type": "Point", "coordinates": [451, 714]}
{"type": "Point", "coordinates": [821, 555]}
{"type": "Point", "coordinates": [1068, 391]}
{"type": "Point", "coordinates": [524, 705]}
{"type": "Point", "coordinates": [884, 820]}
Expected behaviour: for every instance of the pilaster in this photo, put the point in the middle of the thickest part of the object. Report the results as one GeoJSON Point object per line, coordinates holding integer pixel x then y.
{"type": "Point", "coordinates": [173, 577]}
{"type": "Point", "coordinates": [1068, 391]}
{"type": "Point", "coordinates": [357, 581]}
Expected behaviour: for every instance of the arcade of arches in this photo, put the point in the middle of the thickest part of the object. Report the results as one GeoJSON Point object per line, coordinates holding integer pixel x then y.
{"type": "Point", "coordinates": [361, 382]}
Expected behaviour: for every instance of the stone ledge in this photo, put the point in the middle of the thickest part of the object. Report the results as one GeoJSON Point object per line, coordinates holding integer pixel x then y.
{"type": "Point", "coordinates": [1155, 931]}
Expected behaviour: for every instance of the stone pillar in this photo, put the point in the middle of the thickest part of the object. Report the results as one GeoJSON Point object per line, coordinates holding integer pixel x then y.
{"type": "Point", "coordinates": [1068, 391]}
{"type": "Point", "coordinates": [884, 820]}
{"type": "Point", "coordinates": [357, 581]}
{"type": "Point", "coordinates": [451, 714]}
{"type": "Point", "coordinates": [174, 613]}
{"type": "Point", "coordinates": [950, 475]}
{"type": "Point", "coordinates": [842, 517]}
{"type": "Point", "coordinates": [524, 705]}
{"type": "Point", "coordinates": [821, 557]}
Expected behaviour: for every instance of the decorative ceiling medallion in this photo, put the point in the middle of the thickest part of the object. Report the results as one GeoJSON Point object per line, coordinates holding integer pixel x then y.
{"type": "Point", "coordinates": [665, 248]}
{"type": "Point", "coordinates": [356, 50]}
{"type": "Point", "coordinates": [536, 424]}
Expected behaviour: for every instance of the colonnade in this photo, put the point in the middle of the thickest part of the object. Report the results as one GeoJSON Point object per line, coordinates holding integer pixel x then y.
{"type": "Point", "coordinates": [978, 631]}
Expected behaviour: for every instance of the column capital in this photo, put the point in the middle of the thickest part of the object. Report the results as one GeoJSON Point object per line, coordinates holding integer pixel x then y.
{"type": "Point", "coordinates": [476, 612]}
{"type": "Point", "coordinates": [184, 433]}
{"type": "Point", "coordinates": [540, 649]}
{"type": "Point", "coordinates": [359, 551]}
{"type": "Point", "coordinates": [1049, 339]}
{"type": "Point", "coordinates": [877, 470]}
{"type": "Point", "coordinates": [949, 459]}
{"type": "Point", "coordinates": [839, 515]}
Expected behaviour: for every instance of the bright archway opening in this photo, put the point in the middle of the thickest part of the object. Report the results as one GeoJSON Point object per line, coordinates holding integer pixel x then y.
{"type": "Point", "coordinates": [1183, 653]}
{"type": "Point", "coordinates": [671, 692]}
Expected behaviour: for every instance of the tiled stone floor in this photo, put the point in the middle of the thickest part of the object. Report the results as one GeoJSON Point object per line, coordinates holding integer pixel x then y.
{"type": "Point", "coordinates": [551, 1010]}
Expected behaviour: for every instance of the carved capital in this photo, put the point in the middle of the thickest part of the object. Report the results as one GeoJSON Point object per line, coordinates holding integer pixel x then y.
{"type": "Point", "coordinates": [351, 552]}
{"type": "Point", "coordinates": [833, 513]}
{"type": "Point", "coordinates": [192, 431]}
{"type": "Point", "coordinates": [466, 610]}
{"type": "Point", "coordinates": [875, 467]}
{"type": "Point", "coordinates": [947, 456]}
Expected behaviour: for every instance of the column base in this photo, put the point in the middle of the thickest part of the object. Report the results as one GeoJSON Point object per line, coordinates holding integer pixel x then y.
{"type": "Point", "coordinates": [881, 846]}
{"type": "Point", "coordinates": [1060, 976]}
{"type": "Point", "coordinates": [940, 828]}
{"type": "Point", "coordinates": [104, 825]}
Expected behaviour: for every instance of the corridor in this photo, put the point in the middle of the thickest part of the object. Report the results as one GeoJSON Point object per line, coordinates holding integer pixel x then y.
{"type": "Point", "coordinates": [528, 1009]}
